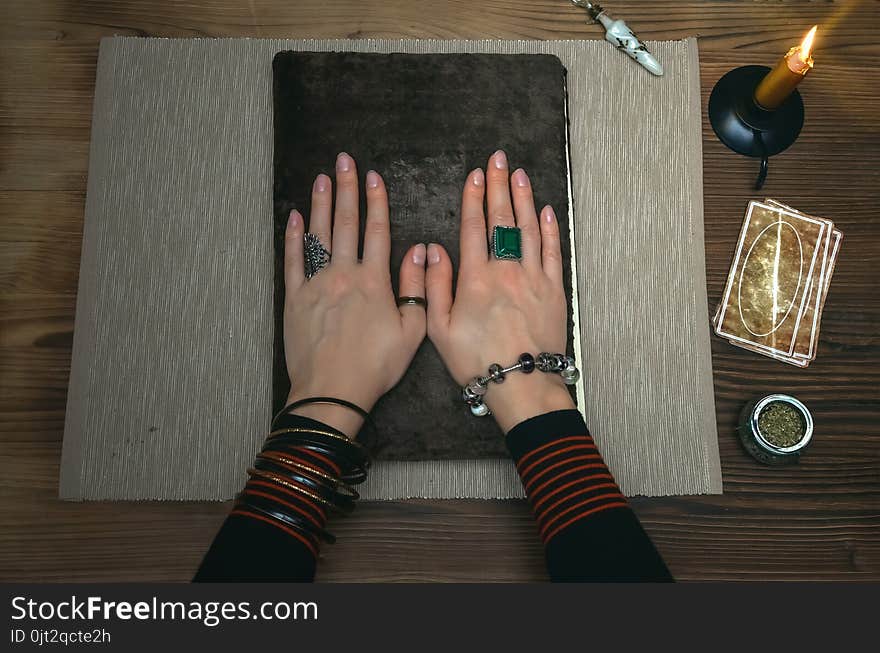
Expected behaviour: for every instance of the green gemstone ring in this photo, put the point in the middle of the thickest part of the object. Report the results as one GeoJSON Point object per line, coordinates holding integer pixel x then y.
{"type": "Point", "coordinates": [507, 243]}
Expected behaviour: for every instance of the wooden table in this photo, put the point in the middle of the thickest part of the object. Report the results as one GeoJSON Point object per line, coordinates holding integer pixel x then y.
{"type": "Point", "coordinates": [817, 520]}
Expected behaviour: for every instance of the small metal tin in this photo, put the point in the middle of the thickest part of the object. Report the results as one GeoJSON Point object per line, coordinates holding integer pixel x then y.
{"type": "Point", "coordinates": [758, 446]}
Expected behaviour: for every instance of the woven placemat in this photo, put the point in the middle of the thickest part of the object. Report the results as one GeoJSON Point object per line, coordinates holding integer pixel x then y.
{"type": "Point", "coordinates": [170, 383]}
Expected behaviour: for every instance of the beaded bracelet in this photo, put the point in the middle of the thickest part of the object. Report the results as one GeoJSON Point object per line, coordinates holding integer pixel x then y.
{"type": "Point", "coordinates": [473, 392]}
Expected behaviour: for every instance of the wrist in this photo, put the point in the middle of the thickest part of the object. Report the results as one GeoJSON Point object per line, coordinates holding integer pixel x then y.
{"type": "Point", "coordinates": [523, 396]}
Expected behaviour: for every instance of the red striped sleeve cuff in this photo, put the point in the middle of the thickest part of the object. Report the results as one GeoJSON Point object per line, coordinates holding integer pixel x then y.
{"type": "Point", "coordinates": [562, 471]}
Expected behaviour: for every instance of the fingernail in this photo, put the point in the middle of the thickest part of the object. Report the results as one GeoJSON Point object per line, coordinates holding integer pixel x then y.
{"type": "Point", "coordinates": [520, 178]}
{"type": "Point", "coordinates": [321, 183]}
{"type": "Point", "coordinates": [433, 254]}
{"type": "Point", "coordinates": [549, 215]}
{"type": "Point", "coordinates": [500, 159]}
{"type": "Point", "coordinates": [343, 162]}
{"type": "Point", "coordinates": [418, 255]}
{"type": "Point", "coordinates": [372, 179]}
{"type": "Point", "coordinates": [477, 177]}
{"type": "Point", "coordinates": [294, 218]}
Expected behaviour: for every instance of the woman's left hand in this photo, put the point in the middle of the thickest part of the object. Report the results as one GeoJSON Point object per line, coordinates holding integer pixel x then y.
{"type": "Point", "coordinates": [344, 335]}
{"type": "Point", "coordinates": [501, 308]}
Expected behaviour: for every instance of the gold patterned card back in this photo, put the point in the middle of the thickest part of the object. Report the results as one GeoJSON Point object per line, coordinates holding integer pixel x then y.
{"type": "Point", "coordinates": [765, 298]}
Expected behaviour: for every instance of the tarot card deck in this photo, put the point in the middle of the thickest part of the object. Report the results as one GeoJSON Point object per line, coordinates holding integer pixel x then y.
{"type": "Point", "coordinates": [778, 281]}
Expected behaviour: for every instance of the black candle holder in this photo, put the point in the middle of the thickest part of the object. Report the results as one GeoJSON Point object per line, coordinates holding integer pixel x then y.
{"type": "Point", "coordinates": [747, 128]}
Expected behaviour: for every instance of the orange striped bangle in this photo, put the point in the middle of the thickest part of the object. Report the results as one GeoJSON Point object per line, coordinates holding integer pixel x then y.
{"type": "Point", "coordinates": [280, 457]}
{"type": "Point", "coordinates": [294, 466]}
{"type": "Point", "coordinates": [277, 478]}
{"type": "Point", "coordinates": [304, 501]}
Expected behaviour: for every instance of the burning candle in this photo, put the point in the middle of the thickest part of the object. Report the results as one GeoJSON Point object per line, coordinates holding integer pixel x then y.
{"type": "Point", "coordinates": [788, 73]}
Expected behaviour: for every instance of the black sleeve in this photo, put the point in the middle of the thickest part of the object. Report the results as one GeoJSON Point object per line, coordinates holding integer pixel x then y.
{"type": "Point", "coordinates": [589, 531]}
{"type": "Point", "coordinates": [249, 550]}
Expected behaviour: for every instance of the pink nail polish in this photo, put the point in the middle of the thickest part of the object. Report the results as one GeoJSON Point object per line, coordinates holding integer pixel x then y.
{"type": "Point", "coordinates": [433, 254]}
{"type": "Point", "coordinates": [500, 160]}
{"type": "Point", "coordinates": [321, 183]}
{"type": "Point", "coordinates": [343, 162]}
{"type": "Point", "coordinates": [549, 215]}
{"type": "Point", "coordinates": [477, 177]}
{"type": "Point", "coordinates": [520, 178]}
{"type": "Point", "coordinates": [418, 255]}
{"type": "Point", "coordinates": [372, 179]}
{"type": "Point", "coordinates": [294, 219]}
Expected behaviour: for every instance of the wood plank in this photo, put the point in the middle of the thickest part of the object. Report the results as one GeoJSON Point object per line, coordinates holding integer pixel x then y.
{"type": "Point", "coordinates": [765, 26]}
{"type": "Point", "coordinates": [446, 540]}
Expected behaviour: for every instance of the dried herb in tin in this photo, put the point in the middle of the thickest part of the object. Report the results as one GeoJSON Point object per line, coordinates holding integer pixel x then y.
{"type": "Point", "coordinates": [781, 425]}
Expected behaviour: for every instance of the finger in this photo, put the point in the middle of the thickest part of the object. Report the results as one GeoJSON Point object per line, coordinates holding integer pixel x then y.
{"type": "Point", "coordinates": [412, 284]}
{"type": "Point", "coordinates": [345, 218]}
{"type": "Point", "coordinates": [499, 210]}
{"type": "Point", "coordinates": [322, 206]}
{"type": "Point", "coordinates": [526, 219]}
{"type": "Point", "coordinates": [473, 244]}
{"type": "Point", "coordinates": [294, 272]}
{"type": "Point", "coordinates": [551, 254]}
{"type": "Point", "coordinates": [438, 286]}
{"type": "Point", "coordinates": [377, 235]}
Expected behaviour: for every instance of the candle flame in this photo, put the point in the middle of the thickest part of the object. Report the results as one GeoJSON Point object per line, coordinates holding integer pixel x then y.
{"type": "Point", "coordinates": [807, 43]}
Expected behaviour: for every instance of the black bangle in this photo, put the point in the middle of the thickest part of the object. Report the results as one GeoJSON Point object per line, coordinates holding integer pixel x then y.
{"type": "Point", "coordinates": [335, 499]}
{"type": "Point", "coordinates": [285, 518]}
{"type": "Point", "coordinates": [323, 400]}
{"type": "Point", "coordinates": [280, 479]}
{"type": "Point", "coordinates": [347, 460]}
{"type": "Point", "coordinates": [351, 474]}
{"type": "Point", "coordinates": [337, 440]}
{"type": "Point", "coordinates": [368, 421]}
{"type": "Point", "coordinates": [346, 457]}
{"type": "Point", "coordinates": [331, 486]}
{"type": "Point", "coordinates": [280, 512]}
{"type": "Point", "coordinates": [295, 460]}
{"type": "Point", "coordinates": [320, 489]}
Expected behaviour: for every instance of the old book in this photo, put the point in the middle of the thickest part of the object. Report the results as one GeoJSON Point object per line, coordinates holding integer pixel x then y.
{"type": "Point", "coordinates": [423, 121]}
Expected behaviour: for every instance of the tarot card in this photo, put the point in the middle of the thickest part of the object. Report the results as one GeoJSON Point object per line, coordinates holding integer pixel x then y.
{"type": "Point", "coordinates": [777, 261]}
{"type": "Point", "coordinates": [808, 334]}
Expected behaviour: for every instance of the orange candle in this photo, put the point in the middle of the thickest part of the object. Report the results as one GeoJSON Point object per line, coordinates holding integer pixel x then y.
{"type": "Point", "coordinates": [788, 73]}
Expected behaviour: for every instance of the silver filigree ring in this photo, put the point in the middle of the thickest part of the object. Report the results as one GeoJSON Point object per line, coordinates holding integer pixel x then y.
{"type": "Point", "coordinates": [315, 255]}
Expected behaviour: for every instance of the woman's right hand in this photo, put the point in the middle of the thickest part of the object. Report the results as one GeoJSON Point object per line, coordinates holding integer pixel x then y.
{"type": "Point", "coordinates": [344, 334]}
{"type": "Point", "coordinates": [502, 308]}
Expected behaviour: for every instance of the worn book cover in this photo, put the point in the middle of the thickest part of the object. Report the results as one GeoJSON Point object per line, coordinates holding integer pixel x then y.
{"type": "Point", "coordinates": [423, 121]}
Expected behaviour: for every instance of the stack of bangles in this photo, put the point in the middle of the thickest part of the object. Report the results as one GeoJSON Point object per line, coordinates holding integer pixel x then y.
{"type": "Point", "coordinates": [301, 473]}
